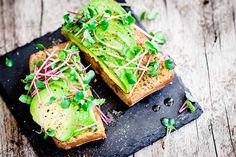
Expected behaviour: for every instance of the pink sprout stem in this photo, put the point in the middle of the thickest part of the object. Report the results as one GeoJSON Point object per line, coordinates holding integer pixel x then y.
{"type": "Point", "coordinates": [183, 107]}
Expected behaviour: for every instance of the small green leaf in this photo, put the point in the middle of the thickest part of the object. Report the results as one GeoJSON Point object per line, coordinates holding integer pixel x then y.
{"type": "Point", "coordinates": [87, 105]}
{"type": "Point", "coordinates": [92, 25]}
{"type": "Point", "coordinates": [73, 76]}
{"type": "Point", "coordinates": [102, 58]}
{"type": "Point", "coordinates": [52, 99]}
{"type": "Point", "coordinates": [40, 84]}
{"type": "Point", "coordinates": [28, 78]}
{"type": "Point", "coordinates": [108, 11]}
{"type": "Point", "coordinates": [169, 64]}
{"type": "Point", "coordinates": [128, 19]}
{"type": "Point", "coordinates": [131, 78]}
{"type": "Point", "coordinates": [88, 37]}
{"type": "Point", "coordinates": [91, 12]}
{"type": "Point", "coordinates": [37, 63]}
{"type": "Point", "coordinates": [165, 121]}
{"type": "Point", "coordinates": [65, 103]}
{"type": "Point", "coordinates": [137, 49]}
{"type": "Point", "coordinates": [78, 97]}
{"type": "Point", "coordinates": [190, 106]}
{"type": "Point", "coordinates": [89, 76]}
{"type": "Point", "coordinates": [27, 86]}
{"type": "Point", "coordinates": [74, 48]}
{"type": "Point", "coordinates": [143, 15]}
{"type": "Point", "coordinates": [151, 48]}
{"type": "Point", "coordinates": [99, 101]}
{"type": "Point", "coordinates": [152, 15]}
{"type": "Point", "coordinates": [104, 24]}
{"type": "Point", "coordinates": [49, 132]}
{"type": "Point", "coordinates": [8, 62]}
{"type": "Point", "coordinates": [171, 121]}
{"type": "Point", "coordinates": [68, 19]}
{"type": "Point", "coordinates": [153, 69]}
{"type": "Point", "coordinates": [25, 99]}
{"type": "Point", "coordinates": [40, 47]}
{"type": "Point", "coordinates": [62, 54]}
{"type": "Point", "coordinates": [86, 43]}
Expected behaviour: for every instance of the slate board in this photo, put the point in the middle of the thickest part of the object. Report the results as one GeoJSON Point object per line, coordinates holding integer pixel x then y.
{"type": "Point", "coordinates": [131, 128]}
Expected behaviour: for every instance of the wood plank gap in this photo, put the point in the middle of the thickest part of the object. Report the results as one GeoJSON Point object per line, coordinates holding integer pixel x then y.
{"type": "Point", "coordinates": [41, 17]}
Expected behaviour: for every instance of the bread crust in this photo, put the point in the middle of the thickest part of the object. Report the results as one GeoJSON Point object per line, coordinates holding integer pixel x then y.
{"type": "Point", "coordinates": [145, 87]}
{"type": "Point", "coordinates": [87, 136]}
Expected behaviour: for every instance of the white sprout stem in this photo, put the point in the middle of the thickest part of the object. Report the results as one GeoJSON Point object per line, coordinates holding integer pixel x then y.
{"type": "Point", "coordinates": [79, 78]}
{"type": "Point", "coordinates": [106, 44]}
{"type": "Point", "coordinates": [116, 17]}
{"type": "Point", "coordinates": [55, 61]}
{"type": "Point", "coordinates": [116, 56]}
{"type": "Point", "coordinates": [86, 127]}
{"type": "Point", "coordinates": [145, 33]}
{"type": "Point", "coordinates": [48, 89]}
{"type": "Point", "coordinates": [36, 73]}
{"type": "Point", "coordinates": [66, 46]}
{"type": "Point", "coordinates": [79, 31]}
{"type": "Point", "coordinates": [134, 68]}
{"type": "Point", "coordinates": [133, 60]}
{"type": "Point", "coordinates": [140, 77]}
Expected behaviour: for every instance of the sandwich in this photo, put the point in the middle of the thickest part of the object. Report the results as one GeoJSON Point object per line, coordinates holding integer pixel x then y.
{"type": "Point", "coordinates": [127, 58]}
{"type": "Point", "coordinates": [60, 99]}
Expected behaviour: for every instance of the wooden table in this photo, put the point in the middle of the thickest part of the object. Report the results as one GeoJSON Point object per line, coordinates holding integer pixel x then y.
{"type": "Point", "coordinates": [202, 39]}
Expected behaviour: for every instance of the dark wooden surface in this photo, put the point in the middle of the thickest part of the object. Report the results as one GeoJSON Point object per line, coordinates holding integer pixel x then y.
{"type": "Point", "coordinates": [201, 37]}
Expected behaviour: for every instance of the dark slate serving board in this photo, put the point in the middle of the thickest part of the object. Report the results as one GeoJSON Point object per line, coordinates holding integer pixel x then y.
{"type": "Point", "coordinates": [131, 128]}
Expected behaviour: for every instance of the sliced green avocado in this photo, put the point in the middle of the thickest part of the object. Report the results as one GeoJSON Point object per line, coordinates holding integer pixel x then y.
{"type": "Point", "coordinates": [51, 115]}
{"type": "Point", "coordinates": [116, 34]}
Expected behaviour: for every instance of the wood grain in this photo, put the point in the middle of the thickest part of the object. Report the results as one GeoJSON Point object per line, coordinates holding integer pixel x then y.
{"type": "Point", "coordinates": [201, 37]}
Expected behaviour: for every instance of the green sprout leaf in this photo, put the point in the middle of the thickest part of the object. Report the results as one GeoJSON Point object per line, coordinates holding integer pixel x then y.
{"type": "Point", "coordinates": [40, 84]}
{"type": "Point", "coordinates": [104, 24]}
{"type": "Point", "coordinates": [49, 132]}
{"type": "Point", "coordinates": [143, 15]}
{"type": "Point", "coordinates": [68, 19]}
{"type": "Point", "coordinates": [169, 64]}
{"type": "Point", "coordinates": [131, 78]}
{"type": "Point", "coordinates": [128, 19]}
{"type": "Point", "coordinates": [87, 105]}
{"type": "Point", "coordinates": [159, 35]}
{"type": "Point", "coordinates": [190, 106]}
{"type": "Point", "coordinates": [25, 99]}
{"type": "Point", "coordinates": [165, 121]}
{"type": "Point", "coordinates": [65, 103]}
{"type": "Point", "coordinates": [152, 16]}
{"type": "Point", "coordinates": [62, 54]}
{"type": "Point", "coordinates": [8, 62]}
{"type": "Point", "coordinates": [151, 48]}
{"type": "Point", "coordinates": [40, 47]}
{"type": "Point", "coordinates": [89, 76]}
{"type": "Point", "coordinates": [92, 25]}
{"type": "Point", "coordinates": [91, 12]}
{"type": "Point", "coordinates": [28, 78]}
{"type": "Point", "coordinates": [73, 76]}
{"type": "Point", "coordinates": [52, 99]}
{"type": "Point", "coordinates": [88, 37]}
{"type": "Point", "coordinates": [153, 69]}
{"type": "Point", "coordinates": [108, 11]}
{"type": "Point", "coordinates": [78, 97]}
{"type": "Point", "coordinates": [137, 49]}
{"type": "Point", "coordinates": [27, 86]}
{"type": "Point", "coordinates": [99, 101]}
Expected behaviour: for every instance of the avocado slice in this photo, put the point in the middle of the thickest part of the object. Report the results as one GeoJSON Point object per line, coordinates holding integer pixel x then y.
{"type": "Point", "coordinates": [52, 115]}
{"type": "Point", "coordinates": [117, 34]}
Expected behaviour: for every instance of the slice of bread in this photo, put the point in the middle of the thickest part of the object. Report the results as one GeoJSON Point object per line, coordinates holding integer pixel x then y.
{"type": "Point", "coordinates": [145, 87]}
{"type": "Point", "coordinates": [87, 136]}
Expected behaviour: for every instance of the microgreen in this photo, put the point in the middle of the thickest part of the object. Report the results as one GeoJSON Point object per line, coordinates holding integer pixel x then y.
{"type": "Point", "coordinates": [108, 11]}
{"type": "Point", "coordinates": [89, 76]}
{"type": "Point", "coordinates": [160, 35]}
{"type": "Point", "coordinates": [25, 99]}
{"type": "Point", "coordinates": [62, 54]}
{"type": "Point", "coordinates": [40, 47]}
{"type": "Point", "coordinates": [88, 37]}
{"type": "Point", "coordinates": [104, 24]}
{"type": "Point", "coordinates": [87, 105]}
{"type": "Point", "coordinates": [92, 25]}
{"type": "Point", "coordinates": [73, 75]}
{"type": "Point", "coordinates": [65, 103]}
{"type": "Point", "coordinates": [137, 49]}
{"type": "Point", "coordinates": [78, 97]}
{"type": "Point", "coordinates": [40, 84]}
{"type": "Point", "coordinates": [169, 124]}
{"type": "Point", "coordinates": [37, 63]}
{"type": "Point", "coordinates": [153, 69]}
{"type": "Point", "coordinates": [8, 62]}
{"type": "Point", "coordinates": [151, 48]}
{"type": "Point", "coordinates": [27, 86]}
{"type": "Point", "coordinates": [128, 19]}
{"type": "Point", "coordinates": [68, 19]}
{"type": "Point", "coordinates": [143, 15]}
{"type": "Point", "coordinates": [99, 101]}
{"type": "Point", "coordinates": [52, 99]}
{"type": "Point", "coordinates": [188, 104]}
{"type": "Point", "coordinates": [28, 78]}
{"type": "Point", "coordinates": [49, 132]}
{"type": "Point", "coordinates": [131, 78]}
{"type": "Point", "coordinates": [91, 12]}
{"type": "Point", "coordinates": [169, 64]}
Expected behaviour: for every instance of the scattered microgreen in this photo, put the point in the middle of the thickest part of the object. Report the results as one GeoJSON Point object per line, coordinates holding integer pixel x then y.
{"type": "Point", "coordinates": [92, 25]}
{"type": "Point", "coordinates": [169, 64]}
{"type": "Point", "coordinates": [26, 99]}
{"type": "Point", "coordinates": [169, 124]}
{"type": "Point", "coordinates": [99, 101]}
{"type": "Point", "coordinates": [49, 132]}
{"type": "Point", "coordinates": [27, 86]}
{"type": "Point", "coordinates": [152, 15]}
{"type": "Point", "coordinates": [151, 48]}
{"type": "Point", "coordinates": [104, 24]}
{"type": "Point", "coordinates": [88, 39]}
{"type": "Point", "coordinates": [160, 36]}
{"type": "Point", "coordinates": [91, 12]}
{"type": "Point", "coordinates": [40, 47]}
{"type": "Point", "coordinates": [40, 84]}
{"type": "Point", "coordinates": [8, 62]}
{"type": "Point", "coordinates": [143, 15]}
{"type": "Point", "coordinates": [52, 99]}
{"type": "Point", "coordinates": [78, 97]}
{"type": "Point", "coordinates": [28, 78]}
{"type": "Point", "coordinates": [153, 68]}
{"type": "Point", "coordinates": [128, 19]}
{"type": "Point", "coordinates": [89, 76]}
{"type": "Point", "coordinates": [65, 103]}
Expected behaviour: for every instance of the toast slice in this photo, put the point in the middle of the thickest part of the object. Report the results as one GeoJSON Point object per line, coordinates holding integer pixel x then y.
{"type": "Point", "coordinates": [85, 137]}
{"type": "Point", "coordinates": [145, 87]}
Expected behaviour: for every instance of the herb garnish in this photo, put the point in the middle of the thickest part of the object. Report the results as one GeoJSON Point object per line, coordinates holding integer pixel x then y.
{"type": "Point", "coordinates": [8, 62]}
{"type": "Point", "coordinates": [49, 132]}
